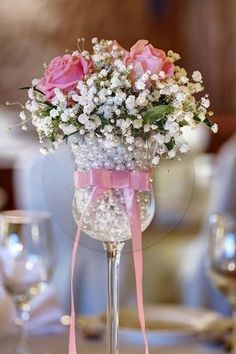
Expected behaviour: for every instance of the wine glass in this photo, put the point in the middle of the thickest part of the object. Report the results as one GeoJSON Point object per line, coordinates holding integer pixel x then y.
{"type": "Point", "coordinates": [222, 260]}
{"type": "Point", "coordinates": [27, 252]}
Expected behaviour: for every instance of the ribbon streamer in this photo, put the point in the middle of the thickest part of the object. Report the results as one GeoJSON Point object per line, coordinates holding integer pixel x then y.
{"type": "Point", "coordinates": [102, 180]}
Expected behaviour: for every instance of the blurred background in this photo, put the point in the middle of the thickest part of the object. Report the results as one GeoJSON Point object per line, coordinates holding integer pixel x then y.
{"type": "Point", "coordinates": [204, 33]}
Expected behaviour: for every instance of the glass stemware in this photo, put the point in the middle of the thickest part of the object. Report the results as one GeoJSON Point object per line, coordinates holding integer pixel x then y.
{"type": "Point", "coordinates": [106, 218]}
{"type": "Point", "coordinates": [27, 252]}
{"type": "Point", "coordinates": [222, 260]}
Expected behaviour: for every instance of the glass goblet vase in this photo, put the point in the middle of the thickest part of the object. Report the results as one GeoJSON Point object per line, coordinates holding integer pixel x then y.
{"type": "Point", "coordinates": [106, 218]}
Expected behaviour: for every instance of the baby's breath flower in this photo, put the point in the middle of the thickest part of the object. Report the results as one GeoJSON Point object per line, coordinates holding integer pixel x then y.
{"type": "Point", "coordinates": [172, 153]}
{"type": "Point", "coordinates": [189, 116]}
{"type": "Point", "coordinates": [31, 93]}
{"type": "Point", "coordinates": [83, 118]}
{"type": "Point", "coordinates": [214, 128]}
{"type": "Point", "coordinates": [117, 112]}
{"type": "Point", "coordinates": [44, 151]}
{"type": "Point", "coordinates": [130, 139]}
{"type": "Point", "coordinates": [94, 40]}
{"type": "Point", "coordinates": [141, 101]}
{"type": "Point", "coordinates": [85, 54]}
{"type": "Point", "coordinates": [184, 148]}
{"type": "Point", "coordinates": [75, 53]}
{"type": "Point", "coordinates": [82, 131]}
{"type": "Point", "coordinates": [35, 82]}
{"type": "Point", "coordinates": [59, 95]}
{"type": "Point", "coordinates": [64, 117]}
{"type": "Point", "coordinates": [53, 113]}
{"type": "Point", "coordinates": [137, 123]}
{"type": "Point", "coordinates": [130, 102]}
{"type": "Point", "coordinates": [146, 128]}
{"type": "Point", "coordinates": [197, 76]}
{"type": "Point", "coordinates": [140, 85]}
{"type": "Point", "coordinates": [154, 77]}
{"type": "Point", "coordinates": [162, 74]}
{"type": "Point", "coordinates": [90, 81]}
{"type": "Point", "coordinates": [156, 160]}
{"type": "Point", "coordinates": [205, 102]}
{"type": "Point", "coordinates": [154, 127]}
{"type": "Point", "coordinates": [173, 55]}
{"type": "Point", "coordinates": [23, 116]}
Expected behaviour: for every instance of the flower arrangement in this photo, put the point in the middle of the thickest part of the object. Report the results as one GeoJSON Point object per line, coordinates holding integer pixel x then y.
{"type": "Point", "coordinates": [119, 95]}
{"type": "Point", "coordinates": [114, 106]}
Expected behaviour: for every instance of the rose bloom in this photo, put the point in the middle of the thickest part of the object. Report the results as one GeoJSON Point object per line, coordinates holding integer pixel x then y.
{"type": "Point", "coordinates": [63, 73]}
{"type": "Point", "coordinates": [144, 56]}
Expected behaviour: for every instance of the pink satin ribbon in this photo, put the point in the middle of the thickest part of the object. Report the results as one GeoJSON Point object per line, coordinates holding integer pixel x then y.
{"type": "Point", "coordinates": [130, 181]}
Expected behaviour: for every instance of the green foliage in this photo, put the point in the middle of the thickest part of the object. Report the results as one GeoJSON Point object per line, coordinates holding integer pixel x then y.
{"type": "Point", "coordinates": [156, 113]}
{"type": "Point", "coordinates": [207, 122]}
{"type": "Point", "coordinates": [170, 145]}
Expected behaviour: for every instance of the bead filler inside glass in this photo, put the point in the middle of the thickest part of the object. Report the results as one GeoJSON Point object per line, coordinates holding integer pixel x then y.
{"type": "Point", "coordinates": [106, 218]}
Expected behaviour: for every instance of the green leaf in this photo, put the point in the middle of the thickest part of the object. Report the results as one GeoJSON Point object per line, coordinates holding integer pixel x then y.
{"type": "Point", "coordinates": [156, 113]}
{"type": "Point", "coordinates": [67, 136]}
{"type": "Point", "coordinates": [25, 88]}
{"type": "Point", "coordinates": [33, 87]}
{"type": "Point", "coordinates": [196, 118]}
{"type": "Point", "coordinates": [37, 90]}
{"type": "Point", "coordinates": [183, 123]}
{"type": "Point", "coordinates": [104, 122]}
{"type": "Point", "coordinates": [170, 144]}
{"type": "Point", "coordinates": [208, 123]}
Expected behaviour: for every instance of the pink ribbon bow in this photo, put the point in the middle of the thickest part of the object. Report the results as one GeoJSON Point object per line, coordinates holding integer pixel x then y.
{"type": "Point", "coordinates": [130, 181]}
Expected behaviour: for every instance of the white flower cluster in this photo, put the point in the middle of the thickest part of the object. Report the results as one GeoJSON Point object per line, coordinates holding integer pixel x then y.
{"type": "Point", "coordinates": [111, 102]}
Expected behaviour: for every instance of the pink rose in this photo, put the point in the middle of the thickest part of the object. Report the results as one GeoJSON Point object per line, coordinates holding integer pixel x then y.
{"type": "Point", "coordinates": [144, 56]}
{"type": "Point", "coordinates": [64, 73]}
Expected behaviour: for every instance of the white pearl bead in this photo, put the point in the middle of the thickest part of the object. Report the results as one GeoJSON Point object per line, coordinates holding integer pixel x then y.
{"type": "Point", "coordinates": [121, 149]}
{"type": "Point", "coordinates": [139, 142]}
{"type": "Point", "coordinates": [117, 160]}
{"type": "Point", "coordinates": [130, 165]}
{"type": "Point", "coordinates": [120, 167]}
{"type": "Point", "coordinates": [109, 165]}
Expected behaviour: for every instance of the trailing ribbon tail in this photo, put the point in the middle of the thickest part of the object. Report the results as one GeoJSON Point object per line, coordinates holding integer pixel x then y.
{"type": "Point", "coordinates": [72, 334]}
{"type": "Point", "coordinates": [136, 233]}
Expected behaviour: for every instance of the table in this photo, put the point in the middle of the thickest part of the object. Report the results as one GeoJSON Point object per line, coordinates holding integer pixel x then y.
{"type": "Point", "coordinates": [57, 344]}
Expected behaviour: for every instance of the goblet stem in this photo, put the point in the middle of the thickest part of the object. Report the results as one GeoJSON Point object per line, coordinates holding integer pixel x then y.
{"type": "Point", "coordinates": [23, 316]}
{"type": "Point", "coordinates": [113, 250]}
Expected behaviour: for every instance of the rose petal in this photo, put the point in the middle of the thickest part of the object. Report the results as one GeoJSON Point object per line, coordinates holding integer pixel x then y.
{"type": "Point", "coordinates": [168, 68]}
{"type": "Point", "coordinates": [138, 47]}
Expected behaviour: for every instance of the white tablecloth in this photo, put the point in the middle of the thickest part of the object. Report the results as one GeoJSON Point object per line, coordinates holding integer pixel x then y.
{"type": "Point", "coordinates": [57, 344]}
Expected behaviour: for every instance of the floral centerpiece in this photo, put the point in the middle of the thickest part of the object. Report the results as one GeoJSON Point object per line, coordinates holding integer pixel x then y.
{"type": "Point", "coordinates": [119, 95]}
{"type": "Point", "coordinates": [121, 112]}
